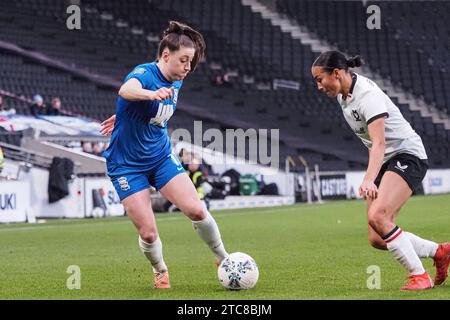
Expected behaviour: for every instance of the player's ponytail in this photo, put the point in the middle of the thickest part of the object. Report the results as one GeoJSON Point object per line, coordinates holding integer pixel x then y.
{"type": "Point", "coordinates": [354, 62]}
{"type": "Point", "coordinates": [331, 60]}
{"type": "Point", "coordinates": [174, 27]}
{"type": "Point", "coordinates": [179, 35]}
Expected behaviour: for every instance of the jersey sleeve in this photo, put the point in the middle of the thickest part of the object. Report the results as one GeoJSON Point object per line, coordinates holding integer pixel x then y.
{"type": "Point", "coordinates": [141, 74]}
{"type": "Point", "coordinates": [374, 107]}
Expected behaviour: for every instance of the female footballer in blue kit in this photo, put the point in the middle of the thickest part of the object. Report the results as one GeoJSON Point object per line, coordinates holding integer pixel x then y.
{"type": "Point", "coordinates": [140, 153]}
{"type": "Point", "coordinates": [397, 164]}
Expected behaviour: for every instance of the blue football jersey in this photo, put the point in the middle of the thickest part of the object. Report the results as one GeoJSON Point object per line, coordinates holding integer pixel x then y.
{"type": "Point", "coordinates": [140, 139]}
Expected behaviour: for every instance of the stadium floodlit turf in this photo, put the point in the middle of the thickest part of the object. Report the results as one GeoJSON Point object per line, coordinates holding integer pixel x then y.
{"type": "Point", "coordinates": [303, 252]}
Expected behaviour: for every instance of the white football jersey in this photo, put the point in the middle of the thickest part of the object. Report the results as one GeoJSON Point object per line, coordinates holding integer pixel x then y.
{"type": "Point", "coordinates": [365, 103]}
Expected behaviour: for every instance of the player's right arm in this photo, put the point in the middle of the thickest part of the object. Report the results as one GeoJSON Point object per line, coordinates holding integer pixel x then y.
{"type": "Point", "coordinates": [107, 126]}
{"type": "Point", "coordinates": [132, 90]}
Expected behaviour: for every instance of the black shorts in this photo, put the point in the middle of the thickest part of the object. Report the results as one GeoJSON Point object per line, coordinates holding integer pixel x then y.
{"type": "Point", "coordinates": [409, 167]}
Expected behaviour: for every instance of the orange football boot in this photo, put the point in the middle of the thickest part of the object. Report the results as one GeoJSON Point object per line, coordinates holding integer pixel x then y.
{"type": "Point", "coordinates": [418, 282]}
{"type": "Point", "coordinates": [441, 262]}
{"type": "Point", "coordinates": [162, 280]}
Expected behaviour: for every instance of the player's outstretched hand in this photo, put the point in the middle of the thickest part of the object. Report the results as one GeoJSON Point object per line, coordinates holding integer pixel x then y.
{"type": "Point", "coordinates": [107, 126]}
{"type": "Point", "coordinates": [368, 190]}
{"type": "Point", "coordinates": [162, 93]}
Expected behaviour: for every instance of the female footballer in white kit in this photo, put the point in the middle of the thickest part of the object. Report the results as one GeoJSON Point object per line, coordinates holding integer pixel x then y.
{"type": "Point", "coordinates": [397, 164]}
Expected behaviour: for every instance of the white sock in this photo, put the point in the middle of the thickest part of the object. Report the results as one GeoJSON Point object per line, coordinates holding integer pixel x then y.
{"type": "Point", "coordinates": [424, 248]}
{"type": "Point", "coordinates": [403, 251]}
{"type": "Point", "coordinates": [153, 252]}
{"type": "Point", "coordinates": [209, 232]}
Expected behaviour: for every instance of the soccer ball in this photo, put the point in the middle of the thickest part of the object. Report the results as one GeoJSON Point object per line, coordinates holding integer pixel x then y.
{"type": "Point", "coordinates": [238, 272]}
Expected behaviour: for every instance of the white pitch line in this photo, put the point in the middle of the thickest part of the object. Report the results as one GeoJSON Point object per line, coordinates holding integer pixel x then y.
{"type": "Point", "coordinates": [179, 217]}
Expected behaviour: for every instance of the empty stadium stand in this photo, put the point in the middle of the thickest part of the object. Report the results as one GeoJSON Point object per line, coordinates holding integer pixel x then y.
{"type": "Point", "coordinates": [117, 35]}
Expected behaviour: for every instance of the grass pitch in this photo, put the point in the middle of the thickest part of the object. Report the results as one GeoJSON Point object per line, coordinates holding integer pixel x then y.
{"type": "Point", "coordinates": [303, 252]}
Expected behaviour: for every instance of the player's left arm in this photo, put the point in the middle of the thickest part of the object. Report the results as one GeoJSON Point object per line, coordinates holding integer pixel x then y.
{"type": "Point", "coordinates": [376, 156]}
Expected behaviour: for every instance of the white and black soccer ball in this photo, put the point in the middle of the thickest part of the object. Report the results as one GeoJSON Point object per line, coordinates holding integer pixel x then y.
{"type": "Point", "coordinates": [238, 271]}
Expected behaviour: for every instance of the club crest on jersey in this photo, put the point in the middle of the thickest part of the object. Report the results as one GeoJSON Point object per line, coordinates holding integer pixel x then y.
{"type": "Point", "coordinates": [356, 115]}
{"type": "Point", "coordinates": [400, 167]}
{"type": "Point", "coordinates": [139, 71]}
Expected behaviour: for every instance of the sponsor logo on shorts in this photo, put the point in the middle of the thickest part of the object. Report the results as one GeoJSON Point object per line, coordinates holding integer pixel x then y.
{"type": "Point", "coordinates": [400, 167]}
{"type": "Point", "coordinates": [123, 184]}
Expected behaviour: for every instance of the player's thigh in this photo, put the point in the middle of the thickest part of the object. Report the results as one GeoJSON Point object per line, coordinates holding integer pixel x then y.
{"type": "Point", "coordinates": [175, 185]}
{"type": "Point", "coordinates": [393, 192]}
{"type": "Point", "coordinates": [182, 193]}
{"type": "Point", "coordinates": [134, 193]}
{"type": "Point", "coordinates": [139, 208]}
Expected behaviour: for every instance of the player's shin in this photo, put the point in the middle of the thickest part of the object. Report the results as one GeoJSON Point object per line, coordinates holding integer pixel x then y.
{"type": "Point", "coordinates": [209, 232]}
{"type": "Point", "coordinates": [153, 252]}
{"type": "Point", "coordinates": [403, 251]}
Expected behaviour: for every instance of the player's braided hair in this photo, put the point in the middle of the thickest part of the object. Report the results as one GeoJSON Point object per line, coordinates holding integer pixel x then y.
{"type": "Point", "coordinates": [331, 60]}
{"type": "Point", "coordinates": [179, 35]}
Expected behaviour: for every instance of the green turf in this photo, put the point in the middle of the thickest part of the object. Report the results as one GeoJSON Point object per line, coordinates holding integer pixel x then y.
{"type": "Point", "coordinates": [303, 252]}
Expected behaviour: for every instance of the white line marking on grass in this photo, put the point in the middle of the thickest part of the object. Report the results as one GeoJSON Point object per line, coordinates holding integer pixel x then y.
{"type": "Point", "coordinates": [69, 224]}
{"type": "Point", "coordinates": [221, 214]}
{"type": "Point", "coordinates": [159, 218]}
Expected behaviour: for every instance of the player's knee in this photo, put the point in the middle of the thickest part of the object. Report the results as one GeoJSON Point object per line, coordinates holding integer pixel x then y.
{"type": "Point", "coordinates": [196, 212]}
{"type": "Point", "coordinates": [148, 235]}
{"type": "Point", "coordinates": [377, 217]}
